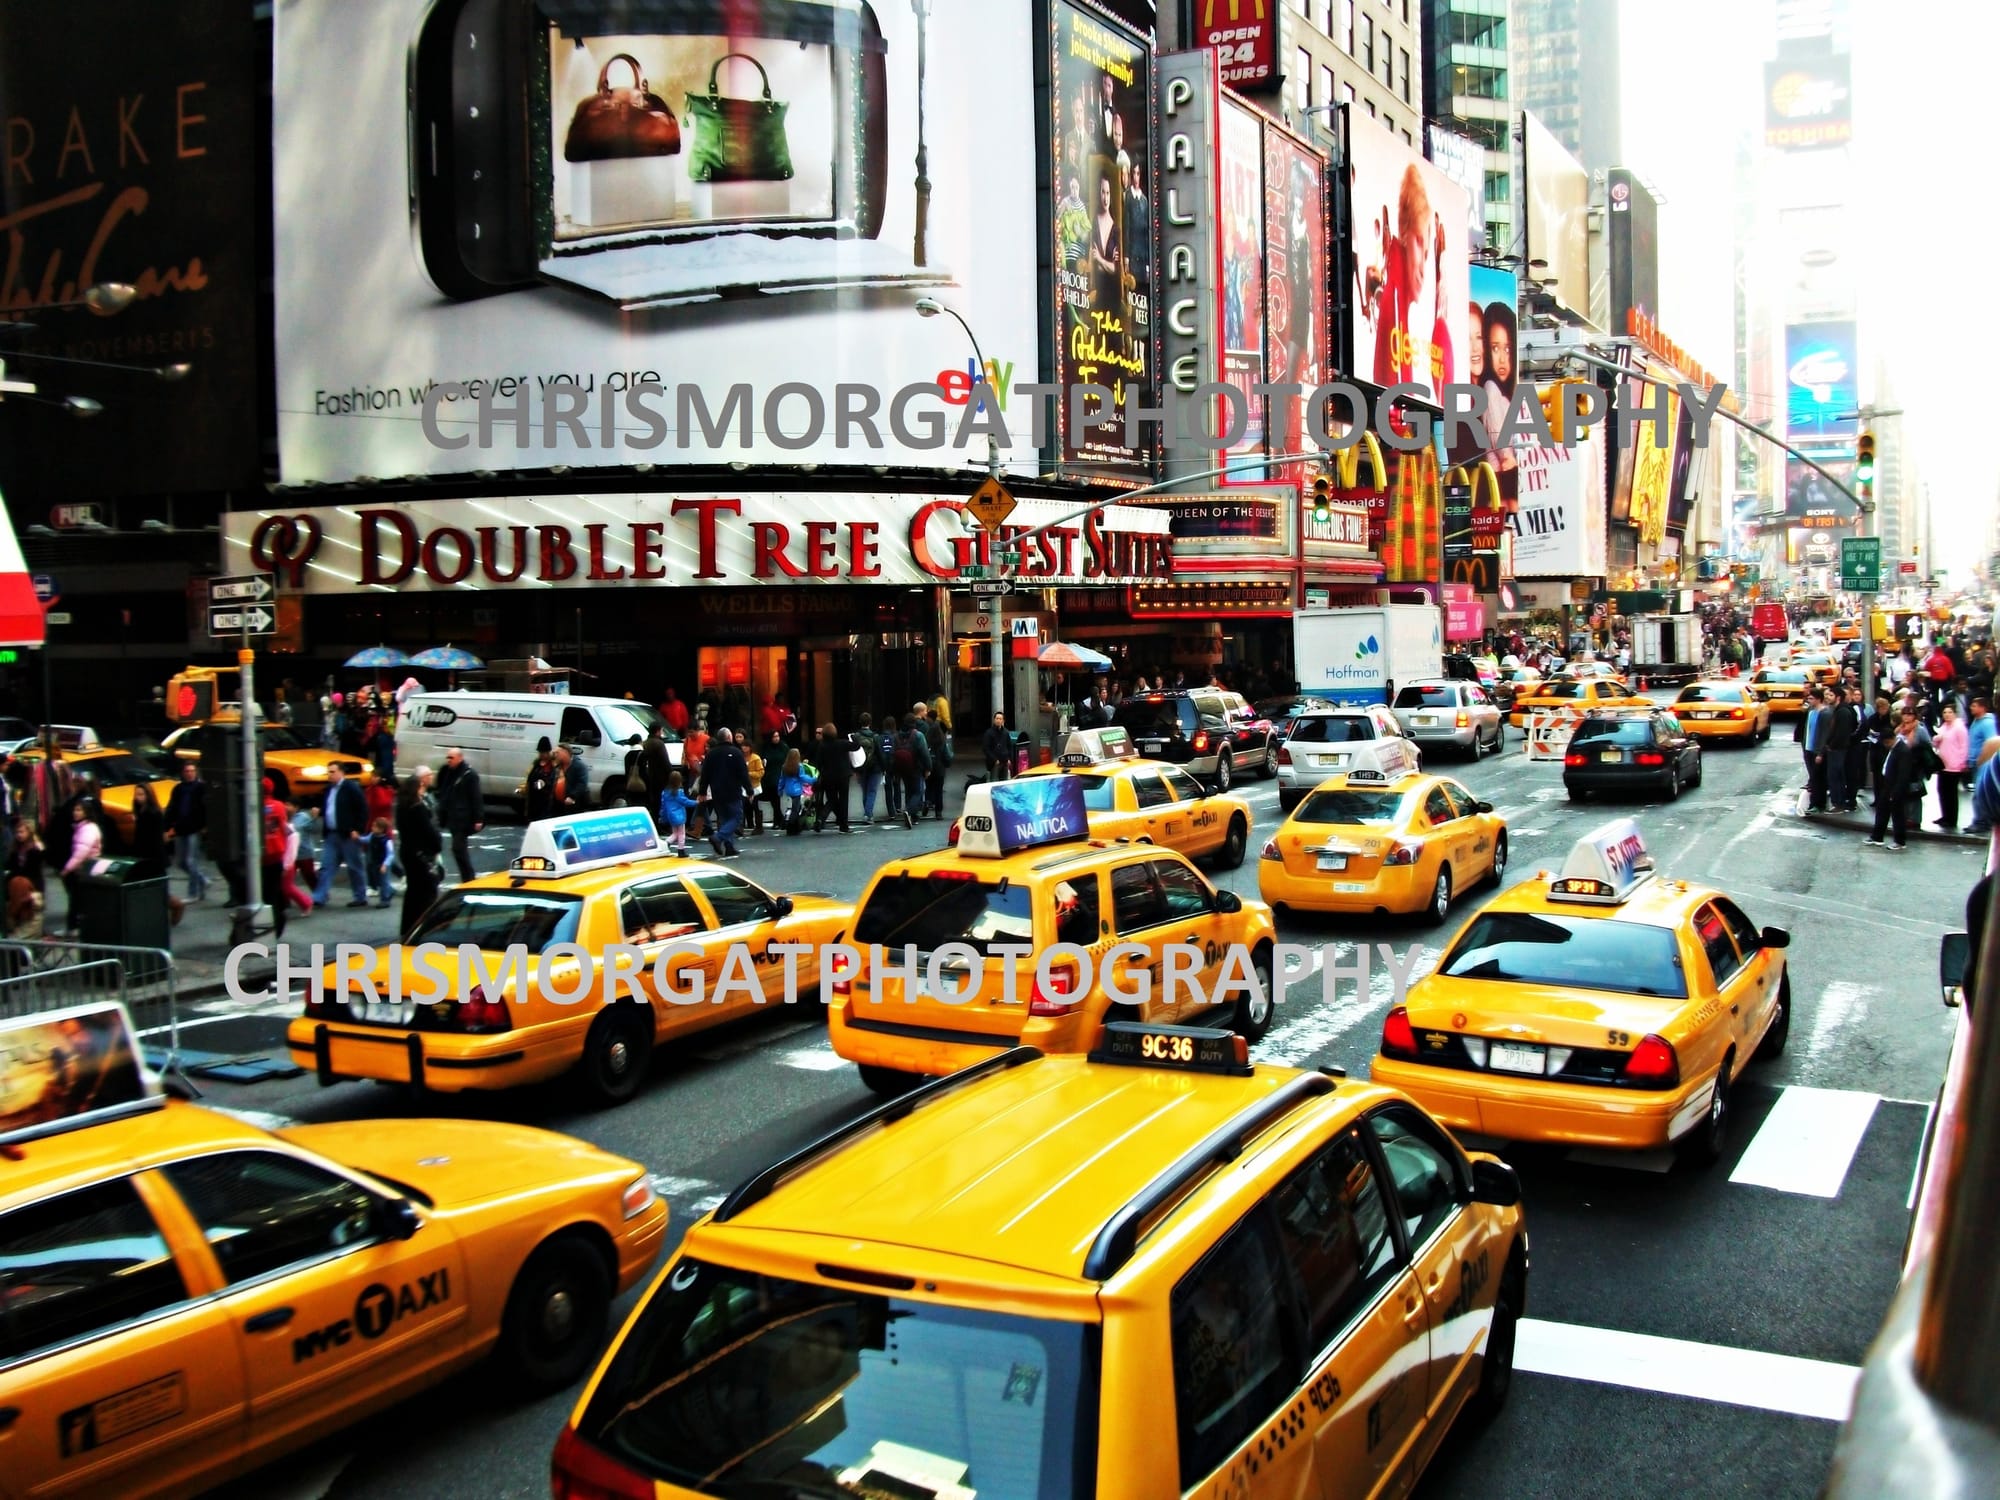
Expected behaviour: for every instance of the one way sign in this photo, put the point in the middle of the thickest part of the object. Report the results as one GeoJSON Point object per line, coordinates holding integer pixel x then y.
{"type": "Point", "coordinates": [245, 588]}
{"type": "Point", "coordinates": [234, 620]}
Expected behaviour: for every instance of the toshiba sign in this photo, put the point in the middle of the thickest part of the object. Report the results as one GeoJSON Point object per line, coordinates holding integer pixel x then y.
{"type": "Point", "coordinates": [616, 541]}
{"type": "Point", "coordinates": [1244, 37]}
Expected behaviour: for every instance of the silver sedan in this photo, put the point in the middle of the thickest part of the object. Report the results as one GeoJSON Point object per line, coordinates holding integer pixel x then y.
{"type": "Point", "coordinates": [1463, 714]}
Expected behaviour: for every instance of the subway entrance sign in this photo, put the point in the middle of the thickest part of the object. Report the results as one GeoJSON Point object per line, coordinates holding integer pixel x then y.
{"type": "Point", "coordinates": [1861, 564]}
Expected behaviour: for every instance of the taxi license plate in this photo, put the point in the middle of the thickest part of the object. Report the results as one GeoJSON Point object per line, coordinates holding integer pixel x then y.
{"type": "Point", "coordinates": [1512, 1057]}
{"type": "Point", "coordinates": [389, 1012]}
{"type": "Point", "coordinates": [1611, 755]}
{"type": "Point", "coordinates": [1333, 861]}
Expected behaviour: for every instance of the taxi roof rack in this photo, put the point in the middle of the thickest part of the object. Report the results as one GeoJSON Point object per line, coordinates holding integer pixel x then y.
{"type": "Point", "coordinates": [1118, 1240]}
{"type": "Point", "coordinates": [760, 1187]}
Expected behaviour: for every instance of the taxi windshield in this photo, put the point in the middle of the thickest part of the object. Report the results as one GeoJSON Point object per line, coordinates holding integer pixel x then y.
{"type": "Point", "coordinates": [497, 920]}
{"type": "Point", "coordinates": [1710, 695]}
{"type": "Point", "coordinates": [1586, 953]}
{"type": "Point", "coordinates": [1345, 807]}
{"type": "Point", "coordinates": [737, 1384]}
{"type": "Point", "coordinates": [932, 910]}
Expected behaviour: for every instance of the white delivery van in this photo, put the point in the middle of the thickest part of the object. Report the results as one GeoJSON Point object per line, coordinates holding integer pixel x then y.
{"type": "Point", "coordinates": [499, 732]}
{"type": "Point", "coordinates": [1362, 654]}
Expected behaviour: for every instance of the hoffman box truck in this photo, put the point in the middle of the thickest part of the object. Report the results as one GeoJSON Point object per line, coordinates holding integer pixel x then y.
{"type": "Point", "coordinates": [1363, 654]}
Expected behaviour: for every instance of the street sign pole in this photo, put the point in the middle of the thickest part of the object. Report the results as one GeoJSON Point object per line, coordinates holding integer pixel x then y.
{"type": "Point", "coordinates": [1868, 602]}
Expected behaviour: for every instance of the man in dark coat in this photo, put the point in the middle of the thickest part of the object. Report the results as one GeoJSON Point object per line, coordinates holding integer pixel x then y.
{"type": "Point", "coordinates": [655, 767]}
{"type": "Point", "coordinates": [1899, 774]}
{"type": "Point", "coordinates": [835, 772]}
{"type": "Point", "coordinates": [343, 837]}
{"type": "Point", "coordinates": [998, 748]}
{"type": "Point", "coordinates": [572, 789]}
{"type": "Point", "coordinates": [1843, 723]}
{"type": "Point", "coordinates": [187, 816]}
{"type": "Point", "coordinates": [419, 846]}
{"type": "Point", "coordinates": [461, 808]}
{"type": "Point", "coordinates": [725, 778]}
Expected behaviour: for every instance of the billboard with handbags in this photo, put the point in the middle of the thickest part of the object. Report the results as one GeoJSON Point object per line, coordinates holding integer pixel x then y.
{"type": "Point", "coordinates": [514, 234]}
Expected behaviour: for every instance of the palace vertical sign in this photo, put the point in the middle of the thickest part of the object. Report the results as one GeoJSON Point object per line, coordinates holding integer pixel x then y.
{"type": "Point", "coordinates": [130, 157]}
{"type": "Point", "coordinates": [1190, 97]}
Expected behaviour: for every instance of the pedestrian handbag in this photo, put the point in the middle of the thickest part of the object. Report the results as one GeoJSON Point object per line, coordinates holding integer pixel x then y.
{"type": "Point", "coordinates": [857, 754]}
{"type": "Point", "coordinates": [737, 140]}
{"type": "Point", "coordinates": [618, 143]}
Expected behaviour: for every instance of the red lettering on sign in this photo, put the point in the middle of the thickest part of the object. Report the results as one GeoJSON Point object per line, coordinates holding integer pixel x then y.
{"type": "Point", "coordinates": [465, 555]}
{"type": "Point", "coordinates": [863, 549]}
{"type": "Point", "coordinates": [820, 561]}
{"type": "Point", "coordinates": [558, 562]}
{"type": "Point", "coordinates": [957, 386]}
{"type": "Point", "coordinates": [489, 553]}
{"type": "Point", "coordinates": [705, 512]}
{"type": "Point", "coordinates": [646, 550]}
{"type": "Point", "coordinates": [599, 573]}
{"type": "Point", "coordinates": [371, 546]}
{"type": "Point", "coordinates": [920, 541]}
{"type": "Point", "coordinates": [771, 538]}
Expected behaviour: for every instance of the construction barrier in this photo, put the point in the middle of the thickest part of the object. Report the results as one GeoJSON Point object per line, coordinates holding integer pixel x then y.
{"type": "Point", "coordinates": [1549, 733]}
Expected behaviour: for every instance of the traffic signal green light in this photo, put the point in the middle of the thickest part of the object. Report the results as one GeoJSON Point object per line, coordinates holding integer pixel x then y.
{"type": "Point", "coordinates": [1322, 499]}
{"type": "Point", "coordinates": [1864, 459]}
{"type": "Point", "coordinates": [9, 658]}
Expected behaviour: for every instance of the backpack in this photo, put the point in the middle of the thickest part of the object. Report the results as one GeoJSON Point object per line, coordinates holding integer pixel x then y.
{"type": "Point", "coordinates": [945, 751]}
{"type": "Point", "coordinates": [905, 759]}
{"type": "Point", "coordinates": [885, 751]}
{"type": "Point", "coordinates": [277, 831]}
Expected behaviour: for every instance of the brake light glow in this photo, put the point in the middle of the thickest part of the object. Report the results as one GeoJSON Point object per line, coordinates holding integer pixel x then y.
{"type": "Point", "coordinates": [1736, 713]}
{"type": "Point", "coordinates": [1464, 719]}
{"type": "Point", "coordinates": [1055, 1000]}
{"type": "Point", "coordinates": [478, 1013]}
{"type": "Point", "coordinates": [1398, 1039]}
{"type": "Point", "coordinates": [840, 973]}
{"type": "Point", "coordinates": [1649, 758]}
{"type": "Point", "coordinates": [1654, 1062]}
{"type": "Point", "coordinates": [580, 1471]}
{"type": "Point", "coordinates": [953, 875]}
{"type": "Point", "coordinates": [1284, 755]}
{"type": "Point", "coordinates": [1200, 741]}
{"type": "Point", "coordinates": [1402, 852]}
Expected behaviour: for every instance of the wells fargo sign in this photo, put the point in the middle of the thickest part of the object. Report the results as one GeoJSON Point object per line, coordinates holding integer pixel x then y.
{"type": "Point", "coordinates": [129, 157]}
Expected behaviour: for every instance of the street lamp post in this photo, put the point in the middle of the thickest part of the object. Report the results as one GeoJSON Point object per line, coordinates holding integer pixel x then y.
{"type": "Point", "coordinates": [923, 10]}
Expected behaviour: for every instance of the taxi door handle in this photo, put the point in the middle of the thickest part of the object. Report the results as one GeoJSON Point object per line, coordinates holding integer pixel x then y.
{"type": "Point", "coordinates": [264, 1322]}
{"type": "Point", "coordinates": [1413, 1311]}
{"type": "Point", "coordinates": [1431, 1286]}
{"type": "Point", "coordinates": [1734, 1009]}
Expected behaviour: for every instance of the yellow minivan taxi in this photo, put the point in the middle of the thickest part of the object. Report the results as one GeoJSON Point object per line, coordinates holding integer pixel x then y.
{"type": "Point", "coordinates": [1153, 1272]}
{"type": "Point", "coordinates": [698, 945]}
{"type": "Point", "coordinates": [1604, 1006]}
{"type": "Point", "coordinates": [185, 1297]}
{"type": "Point", "coordinates": [1029, 931]}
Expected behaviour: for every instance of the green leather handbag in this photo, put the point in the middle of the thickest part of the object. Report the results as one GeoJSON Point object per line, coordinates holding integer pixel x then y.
{"type": "Point", "coordinates": [737, 140]}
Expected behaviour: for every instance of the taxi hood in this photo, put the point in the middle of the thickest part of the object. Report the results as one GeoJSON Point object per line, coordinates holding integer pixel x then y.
{"type": "Point", "coordinates": [1552, 1014]}
{"type": "Point", "coordinates": [460, 1162]}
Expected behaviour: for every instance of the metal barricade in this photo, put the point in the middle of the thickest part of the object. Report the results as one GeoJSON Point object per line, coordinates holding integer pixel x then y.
{"type": "Point", "coordinates": [55, 973]}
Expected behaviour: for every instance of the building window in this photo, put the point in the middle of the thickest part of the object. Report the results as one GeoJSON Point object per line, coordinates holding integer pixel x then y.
{"type": "Point", "coordinates": [1403, 69]}
{"type": "Point", "coordinates": [1326, 94]}
{"type": "Point", "coordinates": [1326, 16]}
{"type": "Point", "coordinates": [1479, 83]}
{"type": "Point", "coordinates": [1496, 187]}
{"type": "Point", "coordinates": [1368, 45]}
{"type": "Point", "coordinates": [1406, 139]}
{"type": "Point", "coordinates": [1347, 26]}
{"type": "Point", "coordinates": [1347, 94]}
{"type": "Point", "coordinates": [1305, 67]}
{"type": "Point", "coordinates": [1371, 109]}
{"type": "Point", "coordinates": [1388, 123]}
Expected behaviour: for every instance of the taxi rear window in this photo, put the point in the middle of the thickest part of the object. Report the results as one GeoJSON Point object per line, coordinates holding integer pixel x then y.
{"type": "Point", "coordinates": [1710, 695]}
{"type": "Point", "coordinates": [1345, 807]}
{"type": "Point", "coordinates": [928, 911]}
{"type": "Point", "coordinates": [1587, 953]}
{"type": "Point", "coordinates": [737, 1384]}
{"type": "Point", "coordinates": [497, 920]}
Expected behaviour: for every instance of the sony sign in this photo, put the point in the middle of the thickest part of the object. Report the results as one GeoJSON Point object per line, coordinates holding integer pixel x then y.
{"type": "Point", "coordinates": [1190, 91]}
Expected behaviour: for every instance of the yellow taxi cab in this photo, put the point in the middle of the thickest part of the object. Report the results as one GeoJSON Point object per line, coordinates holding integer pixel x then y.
{"type": "Point", "coordinates": [1366, 842]}
{"type": "Point", "coordinates": [1150, 801]}
{"type": "Point", "coordinates": [1031, 931]}
{"type": "Point", "coordinates": [1724, 709]}
{"type": "Point", "coordinates": [297, 769]}
{"type": "Point", "coordinates": [1847, 628]}
{"type": "Point", "coordinates": [117, 776]}
{"type": "Point", "coordinates": [1783, 689]}
{"type": "Point", "coordinates": [1151, 1272]}
{"type": "Point", "coordinates": [1580, 694]}
{"type": "Point", "coordinates": [185, 1297]}
{"type": "Point", "coordinates": [594, 948]}
{"type": "Point", "coordinates": [1606, 1006]}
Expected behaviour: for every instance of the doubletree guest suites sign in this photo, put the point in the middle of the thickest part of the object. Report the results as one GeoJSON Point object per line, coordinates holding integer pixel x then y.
{"type": "Point", "coordinates": [607, 541]}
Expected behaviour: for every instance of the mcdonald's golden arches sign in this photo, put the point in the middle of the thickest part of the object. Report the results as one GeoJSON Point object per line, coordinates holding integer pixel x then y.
{"type": "Point", "coordinates": [1244, 34]}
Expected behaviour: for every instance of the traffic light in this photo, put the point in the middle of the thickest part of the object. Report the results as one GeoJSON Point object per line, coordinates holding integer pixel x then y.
{"type": "Point", "coordinates": [1864, 459]}
{"type": "Point", "coordinates": [1322, 499]}
{"type": "Point", "coordinates": [1551, 398]}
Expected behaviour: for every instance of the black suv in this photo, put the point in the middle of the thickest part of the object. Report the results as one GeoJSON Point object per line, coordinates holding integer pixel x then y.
{"type": "Point", "coordinates": [1213, 734]}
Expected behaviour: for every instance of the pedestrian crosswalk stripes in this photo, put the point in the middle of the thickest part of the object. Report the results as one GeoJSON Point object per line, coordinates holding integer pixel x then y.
{"type": "Point", "coordinates": [1807, 1142]}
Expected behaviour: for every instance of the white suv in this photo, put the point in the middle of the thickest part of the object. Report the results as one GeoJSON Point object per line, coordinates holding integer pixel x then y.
{"type": "Point", "coordinates": [1339, 740]}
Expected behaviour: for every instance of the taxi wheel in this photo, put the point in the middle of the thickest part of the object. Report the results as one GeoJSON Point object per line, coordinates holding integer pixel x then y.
{"type": "Point", "coordinates": [1781, 1024]}
{"type": "Point", "coordinates": [557, 1314]}
{"type": "Point", "coordinates": [1230, 856]}
{"type": "Point", "coordinates": [615, 1054]}
{"type": "Point", "coordinates": [1496, 1368]}
{"type": "Point", "coordinates": [1440, 906]}
{"type": "Point", "coordinates": [1703, 1146]}
{"type": "Point", "coordinates": [889, 1083]}
{"type": "Point", "coordinates": [1500, 857]}
{"type": "Point", "coordinates": [1255, 1010]}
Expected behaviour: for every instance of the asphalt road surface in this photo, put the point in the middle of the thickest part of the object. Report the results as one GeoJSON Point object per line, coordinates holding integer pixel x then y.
{"type": "Point", "coordinates": [1686, 1333]}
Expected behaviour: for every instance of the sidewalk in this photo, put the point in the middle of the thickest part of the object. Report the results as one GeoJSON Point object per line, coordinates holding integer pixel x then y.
{"type": "Point", "coordinates": [1864, 821]}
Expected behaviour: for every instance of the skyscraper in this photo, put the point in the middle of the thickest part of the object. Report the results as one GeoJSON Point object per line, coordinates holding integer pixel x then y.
{"type": "Point", "coordinates": [1565, 69]}
{"type": "Point", "coordinates": [1467, 92]}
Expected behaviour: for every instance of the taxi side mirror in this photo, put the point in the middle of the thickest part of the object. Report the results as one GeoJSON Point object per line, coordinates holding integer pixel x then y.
{"type": "Point", "coordinates": [1954, 958]}
{"type": "Point", "coordinates": [781, 908]}
{"type": "Point", "coordinates": [1774, 937]}
{"type": "Point", "coordinates": [1494, 1182]}
{"type": "Point", "coordinates": [1228, 901]}
{"type": "Point", "coordinates": [397, 1219]}
{"type": "Point", "coordinates": [1483, 807]}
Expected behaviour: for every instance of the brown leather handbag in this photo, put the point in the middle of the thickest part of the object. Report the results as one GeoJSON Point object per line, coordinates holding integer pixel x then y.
{"type": "Point", "coordinates": [616, 124]}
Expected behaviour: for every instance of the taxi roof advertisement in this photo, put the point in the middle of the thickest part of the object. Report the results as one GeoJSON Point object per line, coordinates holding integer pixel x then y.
{"type": "Point", "coordinates": [546, 235]}
{"type": "Point", "coordinates": [1038, 810]}
{"type": "Point", "coordinates": [58, 1066]}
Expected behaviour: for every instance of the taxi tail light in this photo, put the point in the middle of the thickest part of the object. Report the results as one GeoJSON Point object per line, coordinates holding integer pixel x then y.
{"type": "Point", "coordinates": [841, 971]}
{"type": "Point", "coordinates": [1398, 1037]}
{"type": "Point", "coordinates": [1402, 852]}
{"type": "Point", "coordinates": [476, 1012]}
{"type": "Point", "coordinates": [1576, 758]}
{"type": "Point", "coordinates": [1736, 713]}
{"type": "Point", "coordinates": [580, 1471]}
{"type": "Point", "coordinates": [1058, 999]}
{"type": "Point", "coordinates": [1271, 851]}
{"type": "Point", "coordinates": [1649, 758]}
{"type": "Point", "coordinates": [1653, 1063]}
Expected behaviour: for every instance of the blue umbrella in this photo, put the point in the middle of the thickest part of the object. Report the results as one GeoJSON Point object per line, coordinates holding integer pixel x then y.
{"type": "Point", "coordinates": [378, 656]}
{"type": "Point", "coordinates": [447, 659]}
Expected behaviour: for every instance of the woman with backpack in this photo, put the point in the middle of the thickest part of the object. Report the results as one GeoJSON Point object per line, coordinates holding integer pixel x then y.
{"type": "Point", "coordinates": [869, 770]}
{"type": "Point", "coordinates": [885, 766]}
{"type": "Point", "coordinates": [794, 782]}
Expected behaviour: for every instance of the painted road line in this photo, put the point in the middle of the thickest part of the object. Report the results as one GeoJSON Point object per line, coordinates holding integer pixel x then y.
{"type": "Point", "coordinates": [1839, 1004]}
{"type": "Point", "coordinates": [1627, 1161]}
{"type": "Point", "coordinates": [1807, 1141]}
{"type": "Point", "coordinates": [819, 1057]}
{"type": "Point", "coordinates": [1679, 1367]}
{"type": "Point", "coordinates": [276, 1009]}
{"type": "Point", "coordinates": [1325, 1019]}
{"type": "Point", "coordinates": [682, 1188]}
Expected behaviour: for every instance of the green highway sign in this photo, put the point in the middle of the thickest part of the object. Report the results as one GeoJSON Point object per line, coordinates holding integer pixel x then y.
{"type": "Point", "coordinates": [1861, 564]}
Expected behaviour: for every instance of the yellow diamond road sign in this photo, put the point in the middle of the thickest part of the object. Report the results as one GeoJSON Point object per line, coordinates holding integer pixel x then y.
{"type": "Point", "coordinates": [991, 505]}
